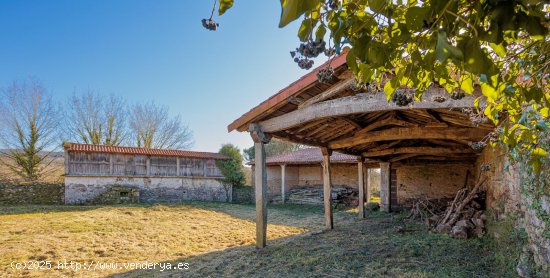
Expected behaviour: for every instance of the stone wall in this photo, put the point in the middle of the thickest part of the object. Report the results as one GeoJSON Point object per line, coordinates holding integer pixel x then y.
{"type": "Point", "coordinates": [31, 194]}
{"type": "Point", "coordinates": [432, 181]}
{"type": "Point", "coordinates": [509, 197]}
{"type": "Point", "coordinates": [81, 190]}
{"type": "Point", "coordinates": [308, 175]}
{"type": "Point", "coordinates": [503, 186]}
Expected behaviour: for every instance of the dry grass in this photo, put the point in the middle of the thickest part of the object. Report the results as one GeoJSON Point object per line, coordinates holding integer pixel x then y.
{"type": "Point", "coordinates": [130, 233]}
{"type": "Point", "coordinates": [216, 239]}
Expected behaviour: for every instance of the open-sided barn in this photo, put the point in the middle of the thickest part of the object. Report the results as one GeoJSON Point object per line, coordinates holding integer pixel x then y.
{"type": "Point", "coordinates": [424, 148]}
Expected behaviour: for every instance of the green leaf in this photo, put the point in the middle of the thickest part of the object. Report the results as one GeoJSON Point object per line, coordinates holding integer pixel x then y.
{"type": "Point", "coordinates": [293, 9]}
{"type": "Point", "coordinates": [224, 6]}
{"type": "Point", "coordinates": [499, 49]}
{"type": "Point", "coordinates": [415, 17]}
{"type": "Point", "coordinates": [444, 50]}
{"type": "Point", "coordinates": [390, 87]}
{"type": "Point", "coordinates": [378, 6]}
{"type": "Point", "coordinates": [466, 83]}
{"type": "Point", "coordinates": [320, 33]}
{"type": "Point", "coordinates": [475, 59]}
{"type": "Point", "coordinates": [539, 152]}
{"type": "Point", "coordinates": [544, 112]}
{"type": "Point", "coordinates": [351, 61]}
{"type": "Point", "coordinates": [305, 29]}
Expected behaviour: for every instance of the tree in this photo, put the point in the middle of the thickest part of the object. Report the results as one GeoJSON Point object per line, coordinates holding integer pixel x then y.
{"type": "Point", "coordinates": [29, 122]}
{"type": "Point", "coordinates": [94, 119]}
{"type": "Point", "coordinates": [275, 147]}
{"type": "Point", "coordinates": [231, 169]}
{"type": "Point", "coordinates": [499, 46]}
{"type": "Point", "coordinates": [151, 127]}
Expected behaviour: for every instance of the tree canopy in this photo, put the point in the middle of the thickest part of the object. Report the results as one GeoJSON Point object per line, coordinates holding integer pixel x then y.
{"type": "Point", "coordinates": [231, 169]}
{"type": "Point", "coordinates": [500, 47]}
{"type": "Point", "coordinates": [275, 147]}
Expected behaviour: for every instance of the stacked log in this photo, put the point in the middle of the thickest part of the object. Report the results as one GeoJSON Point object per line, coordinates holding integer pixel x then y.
{"type": "Point", "coordinates": [463, 217]}
{"type": "Point", "coordinates": [342, 196]}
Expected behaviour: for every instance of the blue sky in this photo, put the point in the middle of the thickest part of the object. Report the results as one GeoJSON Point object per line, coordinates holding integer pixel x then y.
{"type": "Point", "coordinates": [154, 50]}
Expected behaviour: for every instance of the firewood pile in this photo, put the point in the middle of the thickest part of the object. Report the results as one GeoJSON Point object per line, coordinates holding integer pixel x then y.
{"type": "Point", "coordinates": [342, 196]}
{"type": "Point", "coordinates": [462, 217]}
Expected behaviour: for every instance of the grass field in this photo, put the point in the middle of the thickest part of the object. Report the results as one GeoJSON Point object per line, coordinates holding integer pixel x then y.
{"type": "Point", "coordinates": [216, 239]}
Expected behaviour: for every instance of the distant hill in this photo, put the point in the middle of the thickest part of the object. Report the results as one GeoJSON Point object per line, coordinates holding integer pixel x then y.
{"type": "Point", "coordinates": [53, 154]}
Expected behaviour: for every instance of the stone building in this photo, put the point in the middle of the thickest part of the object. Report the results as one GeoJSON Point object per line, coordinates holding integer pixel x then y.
{"type": "Point", "coordinates": [302, 168]}
{"type": "Point", "coordinates": [108, 174]}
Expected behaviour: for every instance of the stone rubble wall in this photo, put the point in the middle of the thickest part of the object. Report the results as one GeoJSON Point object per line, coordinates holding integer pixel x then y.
{"type": "Point", "coordinates": [432, 181]}
{"type": "Point", "coordinates": [31, 193]}
{"type": "Point", "coordinates": [81, 190]}
{"type": "Point", "coordinates": [506, 199]}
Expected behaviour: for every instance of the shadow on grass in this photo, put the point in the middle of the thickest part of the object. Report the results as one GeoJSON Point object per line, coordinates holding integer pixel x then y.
{"type": "Point", "coordinates": [367, 248]}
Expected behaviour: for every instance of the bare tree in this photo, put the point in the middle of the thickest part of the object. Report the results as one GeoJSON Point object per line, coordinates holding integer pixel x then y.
{"type": "Point", "coordinates": [29, 122]}
{"type": "Point", "coordinates": [152, 127]}
{"type": "Point", "coordinates": [94, 119]}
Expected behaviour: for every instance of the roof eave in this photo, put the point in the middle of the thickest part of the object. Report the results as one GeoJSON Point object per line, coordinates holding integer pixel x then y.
{"type": "Point", "coordinates": [241, 124]}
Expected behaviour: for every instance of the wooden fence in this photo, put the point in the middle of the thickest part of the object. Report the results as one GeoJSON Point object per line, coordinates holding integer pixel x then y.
{"type": "Point", "coordinates": [107, 164]}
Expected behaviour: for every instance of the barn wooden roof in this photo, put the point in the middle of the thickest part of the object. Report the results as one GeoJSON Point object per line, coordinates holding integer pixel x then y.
{"type": "Point", "coordinates": [307, 156]}
{"type": "Point", "coordinates": [365, 123]}
{"type": "Point", "coordinates": [76, 147]}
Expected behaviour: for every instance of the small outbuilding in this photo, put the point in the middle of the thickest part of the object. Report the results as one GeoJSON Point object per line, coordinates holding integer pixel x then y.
{"type": "Point", "coordinates": [111, 174]}
{"type": "Point", "coordinates": [297, 176]}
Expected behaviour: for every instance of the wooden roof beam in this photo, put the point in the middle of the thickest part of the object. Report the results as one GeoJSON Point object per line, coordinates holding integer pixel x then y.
{"type": "Point", "coordinates": [357, 104]}
{"type": "Point", "coordinates": [418, 151]}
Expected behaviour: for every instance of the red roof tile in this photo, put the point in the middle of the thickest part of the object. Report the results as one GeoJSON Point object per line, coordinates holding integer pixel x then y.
{"type": "Point", "coordinates": [308, 156]}
{"type": "Point", "coordinates": [76, 147]}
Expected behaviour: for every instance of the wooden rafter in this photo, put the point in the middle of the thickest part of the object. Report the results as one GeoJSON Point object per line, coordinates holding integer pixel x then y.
{"type": "Point", "coordinates": [409, 133]}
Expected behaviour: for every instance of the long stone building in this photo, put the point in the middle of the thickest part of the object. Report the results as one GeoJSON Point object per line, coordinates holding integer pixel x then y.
{"type": "Point", "coordinates": [107, 174]}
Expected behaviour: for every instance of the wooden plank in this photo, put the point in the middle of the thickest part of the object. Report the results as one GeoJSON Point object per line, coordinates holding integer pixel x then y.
{"type": "Point", "coordinates": [357, 104]}
{"type": "Point", "coordinates": [385, 186]}
{"type": "Point", "coordinates": [361, 187]}
{"type": "Point", "coordinates": [403, 156]}
{"type": "Point", "coordinates": [327, 186]}
{"type": "Point", "coordinates": [407, 133]}
{"type": "Point", "coordinates": [337, 88]}
{"type": "Point", "coordinates": [386, 122]}
{"type": "Point", "coordinates": [385, 146]}
{"type": "Point", "coordinates": [261, 195]}
{"type": "Point", "coordinates": [418, 150]}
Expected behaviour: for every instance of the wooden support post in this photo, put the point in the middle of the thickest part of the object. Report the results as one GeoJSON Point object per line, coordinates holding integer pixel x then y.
{"type": "Point", "coordinates": [148, 166]}
{"type": "Point", "coordinates": [327, 187]}
{"type": "Point", "coordinates": [260, 182]}
{"type": "Point", "coordinates": [385, 186]}
{"type": "Point", "coordinates": [368, 185]}
{"type": "Point", "coordinates": [283, 181]}
{"type": "Point", "coordinates": [177, 166]}
{"type": "Point", "coordinates": [111, 170]}
{"type": "Point", "coordinates": [361, 187]}
{"type": "Point", "coordinates": [67, 163]}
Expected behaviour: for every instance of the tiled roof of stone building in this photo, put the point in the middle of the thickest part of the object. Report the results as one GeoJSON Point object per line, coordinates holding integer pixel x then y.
{"type": "Point", "coordinates": [308, 156]}
{"type": "Point", "coordinates": [76, 147]}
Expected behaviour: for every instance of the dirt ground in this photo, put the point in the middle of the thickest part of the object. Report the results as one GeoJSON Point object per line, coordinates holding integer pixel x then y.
{"type": "Point", "coordinates": [216, 240]}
